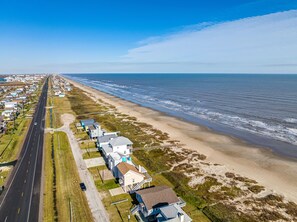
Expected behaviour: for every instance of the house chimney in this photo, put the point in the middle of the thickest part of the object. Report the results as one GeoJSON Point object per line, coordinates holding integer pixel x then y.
{"type": "Point", "coordinates": [181, 217]}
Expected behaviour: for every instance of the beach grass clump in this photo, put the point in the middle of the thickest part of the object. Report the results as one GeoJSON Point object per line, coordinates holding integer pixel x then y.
{"type": "Point", "coordinates": [154, 160]}
{"type": "Point", "coordinates": [181, 187]}
{"type": "Point", "coordinates": [256, 189]}
{"type": "Point", "coordinates": [232, 191]}
{"type": "Point", "coordinates": [270, 215]}
{"type": "Point", "coordinates": [226, 213]}
{"type": "Point", "coordinates": [291, 209]}
{"type": "Point", "coordinates": [271, 199]}
{"type": "Point", "coordinates": [229, 175]}
{"type": "Point", "coordinates": [245, 180]}
{"type": "Point", "coordinates": [197, 156]}
{"type": "Point", "coordinates": [185, 168]}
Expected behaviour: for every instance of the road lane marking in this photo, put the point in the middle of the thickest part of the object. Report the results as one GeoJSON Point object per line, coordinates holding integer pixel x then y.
{"type": "Point", "coordinates": [19, 210]}
{"type": "Point", "coordinates": [25, 181]}
{"type": "Point", "coordinates": [32, 186]}
{"type": "Point", "coordinates": [29, 162]}
{"type": "Point", "coordinates": [18, 166]}
{"type": "Point", "coordinates": [22, 194]}
{"type": "Point", "coordinates": [27, 171]}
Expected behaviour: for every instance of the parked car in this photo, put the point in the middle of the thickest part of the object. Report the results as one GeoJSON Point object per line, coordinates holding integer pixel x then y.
{"type": "Point", "coordinates": [83, 186]}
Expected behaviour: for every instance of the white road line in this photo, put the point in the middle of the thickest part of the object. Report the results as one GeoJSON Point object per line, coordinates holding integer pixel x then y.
{"type": "Point", "coordinates": [17, 169]}
{"type": "Point", "coordinates": [33, 179]}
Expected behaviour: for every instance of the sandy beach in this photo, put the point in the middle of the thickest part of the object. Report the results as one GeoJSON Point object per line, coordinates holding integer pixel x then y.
{"type": "Point", "coordinates": [276, 174]}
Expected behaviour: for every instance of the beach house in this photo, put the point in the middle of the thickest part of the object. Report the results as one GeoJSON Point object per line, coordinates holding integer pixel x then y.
{"type": "Point", "coordinates": [86, 123]}
{"type": "Point", "coordinates": [8, 114]}
{"type": "Point", "coordinates": [95, 131]}
{"type": "Point", "coordinates": [128, 176]}
{"type": "Point", "coordinates": [160, 203]}
{"type": "Point", "coordinates": [10, 105]}
{"type": "Point", "coordinates": [115, 149]}
{"type": "Point", "coordinates": [122, 145]}
{"type": "Point", "coordinates": [105, 138]}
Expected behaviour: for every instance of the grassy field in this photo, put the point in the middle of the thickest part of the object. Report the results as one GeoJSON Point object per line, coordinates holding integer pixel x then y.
{"type": "Point", "coordinates": [63, 198]}
{"type": "Point", "coordinates": [90, 155]}
{"type": "Point", "coordinates": [117, 211]}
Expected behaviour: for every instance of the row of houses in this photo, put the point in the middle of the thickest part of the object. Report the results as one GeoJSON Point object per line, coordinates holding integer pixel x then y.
{"type": "Point", "coordinates": [159, 203]}
{"type": "Point", "coordinates": [26, 78]}
{"type": "Point", "coordinates": [13, 98]}
{"type": "Point", "coordinates": [60, 86]}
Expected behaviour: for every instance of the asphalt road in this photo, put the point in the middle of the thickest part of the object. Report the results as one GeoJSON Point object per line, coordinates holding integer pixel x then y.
{"type": "Point", "coordinates": [21, 199]}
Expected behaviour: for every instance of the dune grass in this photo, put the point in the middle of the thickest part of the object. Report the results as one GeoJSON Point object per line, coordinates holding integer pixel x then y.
{"type": "Point", "coordinates": [156, 161]}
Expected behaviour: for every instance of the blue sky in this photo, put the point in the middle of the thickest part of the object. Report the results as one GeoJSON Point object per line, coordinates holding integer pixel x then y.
{"type": "Point", "coordinates": [148, 36]}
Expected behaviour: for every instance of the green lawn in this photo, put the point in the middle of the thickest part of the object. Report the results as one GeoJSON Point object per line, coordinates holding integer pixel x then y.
{"type": "Point", "coordinates": [90, 155]}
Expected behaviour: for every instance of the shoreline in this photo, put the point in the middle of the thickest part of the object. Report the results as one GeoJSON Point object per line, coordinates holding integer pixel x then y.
{"type": "Point", "coordinates": [273, 172]}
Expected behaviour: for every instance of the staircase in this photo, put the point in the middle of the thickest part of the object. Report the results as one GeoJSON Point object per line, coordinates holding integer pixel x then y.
{"type": "Point", "coordinates": [139, 185]}
{"type": "Point", "coordinates": [134, 210]}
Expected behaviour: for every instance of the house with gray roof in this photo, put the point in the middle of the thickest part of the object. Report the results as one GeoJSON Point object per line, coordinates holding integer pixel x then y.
{"type": "Point", "coordinates": [86, 123]}
{"type": "Point", "coordinates": [121, 145]}
{"type": "Point", "coordinates": [105, 138]}
{"type": "Point", "coordinates": [95, 131]}
{"type": "Point", "coordinates": [160, 204]}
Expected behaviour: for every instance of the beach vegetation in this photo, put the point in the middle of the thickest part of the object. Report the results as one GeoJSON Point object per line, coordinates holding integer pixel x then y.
{"type": "Point", "coordinates": [172, 166]}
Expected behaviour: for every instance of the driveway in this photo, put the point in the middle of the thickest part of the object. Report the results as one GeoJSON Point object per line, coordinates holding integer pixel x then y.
{"type": "Point", "coordinates": [93, 162]}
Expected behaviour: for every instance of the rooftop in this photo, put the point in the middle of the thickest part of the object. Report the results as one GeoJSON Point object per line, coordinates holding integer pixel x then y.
{"type": "Point", "coordinates": [119, 141]}
{"type": "Point", "coordinates": [157, 196]}
{"type": "Point", "coordinates": [124, 168]}
{"type": "Point", "coordinates": [106, 138]}
{"type": "Point", "coordinates": [87, 122]}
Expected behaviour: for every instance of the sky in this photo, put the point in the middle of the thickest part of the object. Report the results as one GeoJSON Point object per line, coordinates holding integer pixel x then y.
{"type": "Point", "coordinates": [138, 36]}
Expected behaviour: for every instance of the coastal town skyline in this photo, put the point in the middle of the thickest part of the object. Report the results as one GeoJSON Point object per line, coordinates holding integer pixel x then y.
{"type": "Point", "coordinates": [193, 37]}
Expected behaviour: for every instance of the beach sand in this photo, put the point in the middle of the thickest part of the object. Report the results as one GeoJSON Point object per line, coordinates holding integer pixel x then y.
{"type": "Point", "coordinates": [276, 174]}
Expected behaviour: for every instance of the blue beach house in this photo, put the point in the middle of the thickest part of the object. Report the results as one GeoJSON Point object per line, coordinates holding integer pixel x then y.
{"type": "Point", "coordinates": [86, 123]}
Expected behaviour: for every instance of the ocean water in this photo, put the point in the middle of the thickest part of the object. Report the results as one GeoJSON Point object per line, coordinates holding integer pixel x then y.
{"type": "Point", "coordinates": [260, 109]}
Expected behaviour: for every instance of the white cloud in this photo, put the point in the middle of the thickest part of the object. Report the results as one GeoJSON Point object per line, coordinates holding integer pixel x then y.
{"type": "Point", "coordinates": [253, 45]}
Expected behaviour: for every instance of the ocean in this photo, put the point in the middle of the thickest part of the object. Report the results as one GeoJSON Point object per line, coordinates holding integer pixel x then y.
{"type": "Point", "coordinates": [259, 109]}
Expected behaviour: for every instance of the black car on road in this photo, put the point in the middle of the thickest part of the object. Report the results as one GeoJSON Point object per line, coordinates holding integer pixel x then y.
{"type": "Point", "coordinates": [83, 186]}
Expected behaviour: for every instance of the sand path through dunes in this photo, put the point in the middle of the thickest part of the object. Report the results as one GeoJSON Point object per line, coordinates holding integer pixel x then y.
{"type": "Point", "coordinates": [277, 174]}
